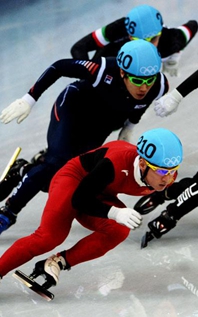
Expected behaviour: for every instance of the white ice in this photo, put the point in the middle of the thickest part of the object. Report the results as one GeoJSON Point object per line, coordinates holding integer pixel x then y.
{"type": "Point", "coordinates": [158, 281]}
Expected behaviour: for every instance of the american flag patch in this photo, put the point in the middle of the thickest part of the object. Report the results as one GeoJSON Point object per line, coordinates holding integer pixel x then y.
{"type": "Point", "coordinates": [108, 79]}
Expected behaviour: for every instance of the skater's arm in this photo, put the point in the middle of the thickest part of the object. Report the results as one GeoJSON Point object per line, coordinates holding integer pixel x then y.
{"type": "Point", "coordinates": [176, 39]}
{"type": "Point", "coordinates": [188, 85]}
{"type": "Point", "coordinates": [81, 69]}
{"type": "Point", "coordinates": [86, 197]}
{"type": "Point", "coordinates": [169, 103]}
{"type": "Point", "coordinates": [185, 202]}
{"type": "Point", "coordinates": [99, 38]}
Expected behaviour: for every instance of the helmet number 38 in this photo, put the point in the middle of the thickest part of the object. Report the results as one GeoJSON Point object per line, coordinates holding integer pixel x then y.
{"type": "Point", "coordinates": [145, 148]}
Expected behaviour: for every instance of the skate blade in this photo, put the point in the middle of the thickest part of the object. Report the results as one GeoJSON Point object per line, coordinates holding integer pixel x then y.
{"type": "Point", "coordinates": [34, 286]}
{"type": "Point", "coordinates": [145, 239]}
{"type": "Point", "coordinates": [10, 163]}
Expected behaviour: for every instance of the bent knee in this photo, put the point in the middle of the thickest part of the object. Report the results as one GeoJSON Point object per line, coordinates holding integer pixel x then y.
{"type": "Point", "coordinates": [118, 232]}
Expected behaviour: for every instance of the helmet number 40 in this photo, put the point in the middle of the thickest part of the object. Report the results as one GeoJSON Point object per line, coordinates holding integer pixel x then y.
{"type": "Point", "coordinates": [124, 60]}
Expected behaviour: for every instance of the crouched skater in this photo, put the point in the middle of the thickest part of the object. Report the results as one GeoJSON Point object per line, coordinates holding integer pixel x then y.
{"type": "Point", "coordinates": [86, 188]}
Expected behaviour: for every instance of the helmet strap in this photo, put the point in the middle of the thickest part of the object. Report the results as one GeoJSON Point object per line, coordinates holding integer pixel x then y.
{"type": "Point", "coordinates": [143, 175]}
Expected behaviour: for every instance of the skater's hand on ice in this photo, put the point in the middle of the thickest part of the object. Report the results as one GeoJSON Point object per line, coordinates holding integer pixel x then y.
{"type": "Point", "coordinates": [125, 216]}
{"type": "Point", "coordinates": [126, 132]}
{"type": "Point", "coordinates": [19, 109]}
{"type": "Point", "coordinates": [167, 104]}
{"type": "Point", "coordinates": [171, 64]}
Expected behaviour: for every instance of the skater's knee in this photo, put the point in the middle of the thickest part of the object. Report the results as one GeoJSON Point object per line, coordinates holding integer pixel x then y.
{"type": "Point", "coordinates": [118, 233]}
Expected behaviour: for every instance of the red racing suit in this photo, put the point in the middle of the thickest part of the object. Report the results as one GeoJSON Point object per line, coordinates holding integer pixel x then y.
{"type": "Point", "coordinates": [84, 189]}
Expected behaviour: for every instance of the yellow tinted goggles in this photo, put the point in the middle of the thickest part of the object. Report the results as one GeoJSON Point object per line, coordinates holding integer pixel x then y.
{"type": "Point", "coordinates": [162, 171]}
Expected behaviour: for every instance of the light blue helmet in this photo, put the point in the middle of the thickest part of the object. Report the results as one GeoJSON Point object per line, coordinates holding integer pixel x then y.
{"type": "Point", "coordinates": [143, 22]}
{"type": "Point", "coordinates": [139, 58]}
{"type": "Point", "coordinates": [161, 148]}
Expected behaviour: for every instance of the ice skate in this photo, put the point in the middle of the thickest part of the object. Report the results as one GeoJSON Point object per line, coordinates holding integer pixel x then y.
{"type": "Point", "coordinates": [7, 218]}
{"type": "Point", "coordinates": [49, 269]}
{"type": "Point", "coordinates": [39, 157]}
{"type": "Point", "coordinates": [34, 286]}
{"type": "Point", "coordinates": [12, 178]}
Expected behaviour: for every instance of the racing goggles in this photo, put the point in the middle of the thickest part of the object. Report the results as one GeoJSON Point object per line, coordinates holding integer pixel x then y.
{"type": "Point", "coordinates": [148, 39]}
{"type": "Point", "coordinates": [162, 171]}
{"type": "Point", "coordinates": [137, 81]}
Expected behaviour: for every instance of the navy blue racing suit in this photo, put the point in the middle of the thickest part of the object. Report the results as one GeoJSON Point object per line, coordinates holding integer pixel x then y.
{"type": "Point", "coordinates": [85, 113]}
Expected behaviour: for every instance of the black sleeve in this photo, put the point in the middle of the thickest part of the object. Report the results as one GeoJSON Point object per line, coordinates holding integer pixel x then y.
{"type": "Point", "coordinates": [81, 48]}
{"type": "Point", "coordinates": [116, 30]}
{"type": "Point", "coordinates": [109, 50]}
{"type": "Point", "coordinates": [187, 199]}
{"type": "Point", "coordinates": [188, 85]}
{"type": "Point", "coordinates": [88, 196]}
{"type": "Point", "coordinates": [113, 32]}
{"type": "Point", "coordinates": [174, 40]}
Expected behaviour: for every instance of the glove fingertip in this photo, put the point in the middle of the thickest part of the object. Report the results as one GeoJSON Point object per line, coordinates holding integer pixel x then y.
{"type": "Point", "coordinates": [5, 121]}
{"type": "Point", "coordinates": [20, 119]}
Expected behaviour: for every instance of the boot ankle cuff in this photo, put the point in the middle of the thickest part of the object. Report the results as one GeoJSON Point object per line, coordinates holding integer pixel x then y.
{"type": "Point", "coordinates": [62, 263]}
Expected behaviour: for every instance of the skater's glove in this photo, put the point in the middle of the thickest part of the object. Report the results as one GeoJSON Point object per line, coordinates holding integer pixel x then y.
{"type": "Point", "coordinates": [158, 227]}
{"type": "Point", "coordinates": [126, 132]}
{"type": "Point", "coordinates": [162, 224]}
{"type": "Point", "coordinates": [167, 104]}
{"type": "Point", "coordinates": [125, 216]}
{"type": "Point", "coordinates": [171, 65]}
{"type": "Point", "coordinates": [19, 109]}
{"type": "Point", "coordinates": [148, 203]}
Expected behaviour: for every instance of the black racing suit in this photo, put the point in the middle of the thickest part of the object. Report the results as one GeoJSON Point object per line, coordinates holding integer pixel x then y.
{"type": "Point", "coordinates": [115, 35]}
{"type": "Point", "coordinates": [185, 193]}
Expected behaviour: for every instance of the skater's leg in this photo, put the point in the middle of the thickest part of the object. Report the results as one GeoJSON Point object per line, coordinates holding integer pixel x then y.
{"type": "Point", "coordinates": [13, 177]}
{"type": "Point", "coordinates": [54, 227]}
{"type": "Point", "coordinates": [30, 185]}
{"type": "Point", "coordinates": [106, 236]}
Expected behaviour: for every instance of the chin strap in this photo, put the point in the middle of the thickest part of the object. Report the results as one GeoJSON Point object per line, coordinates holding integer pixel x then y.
{"type": "Point", "coordinates": [143, 175]}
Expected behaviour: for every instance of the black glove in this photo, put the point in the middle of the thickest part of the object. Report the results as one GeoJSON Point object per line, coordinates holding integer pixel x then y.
{"type": "Point", "coordinates": [162, 224]}
{"type": "Point", "coordinates": [148, 203]}
{"type": "Point", "coordinates": [158, 227]}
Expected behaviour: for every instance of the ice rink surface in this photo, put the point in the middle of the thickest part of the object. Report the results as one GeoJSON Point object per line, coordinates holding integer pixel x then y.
{"type": "Point", "coordinates": [158, 281]}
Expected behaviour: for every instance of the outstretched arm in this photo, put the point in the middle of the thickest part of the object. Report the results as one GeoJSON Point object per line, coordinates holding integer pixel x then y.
{"type": "Point", "coordinates": [169, 103]}
{"type": "Point", "coordinates": [72, 68]}
{"type": "Point", "coordinates": [185, 202]}
{"type": "Point", "coordinates": [99, 39]}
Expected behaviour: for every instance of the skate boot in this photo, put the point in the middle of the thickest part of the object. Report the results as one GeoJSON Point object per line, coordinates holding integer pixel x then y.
{"type": "Point", "coordinates": [50, 270]}
{"type": "Point", "coordinates": [39, 157]}
{"type": "Point", "coordinates": [7, 218]}
{"type": "Point", "coordinates": [12, 178]}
